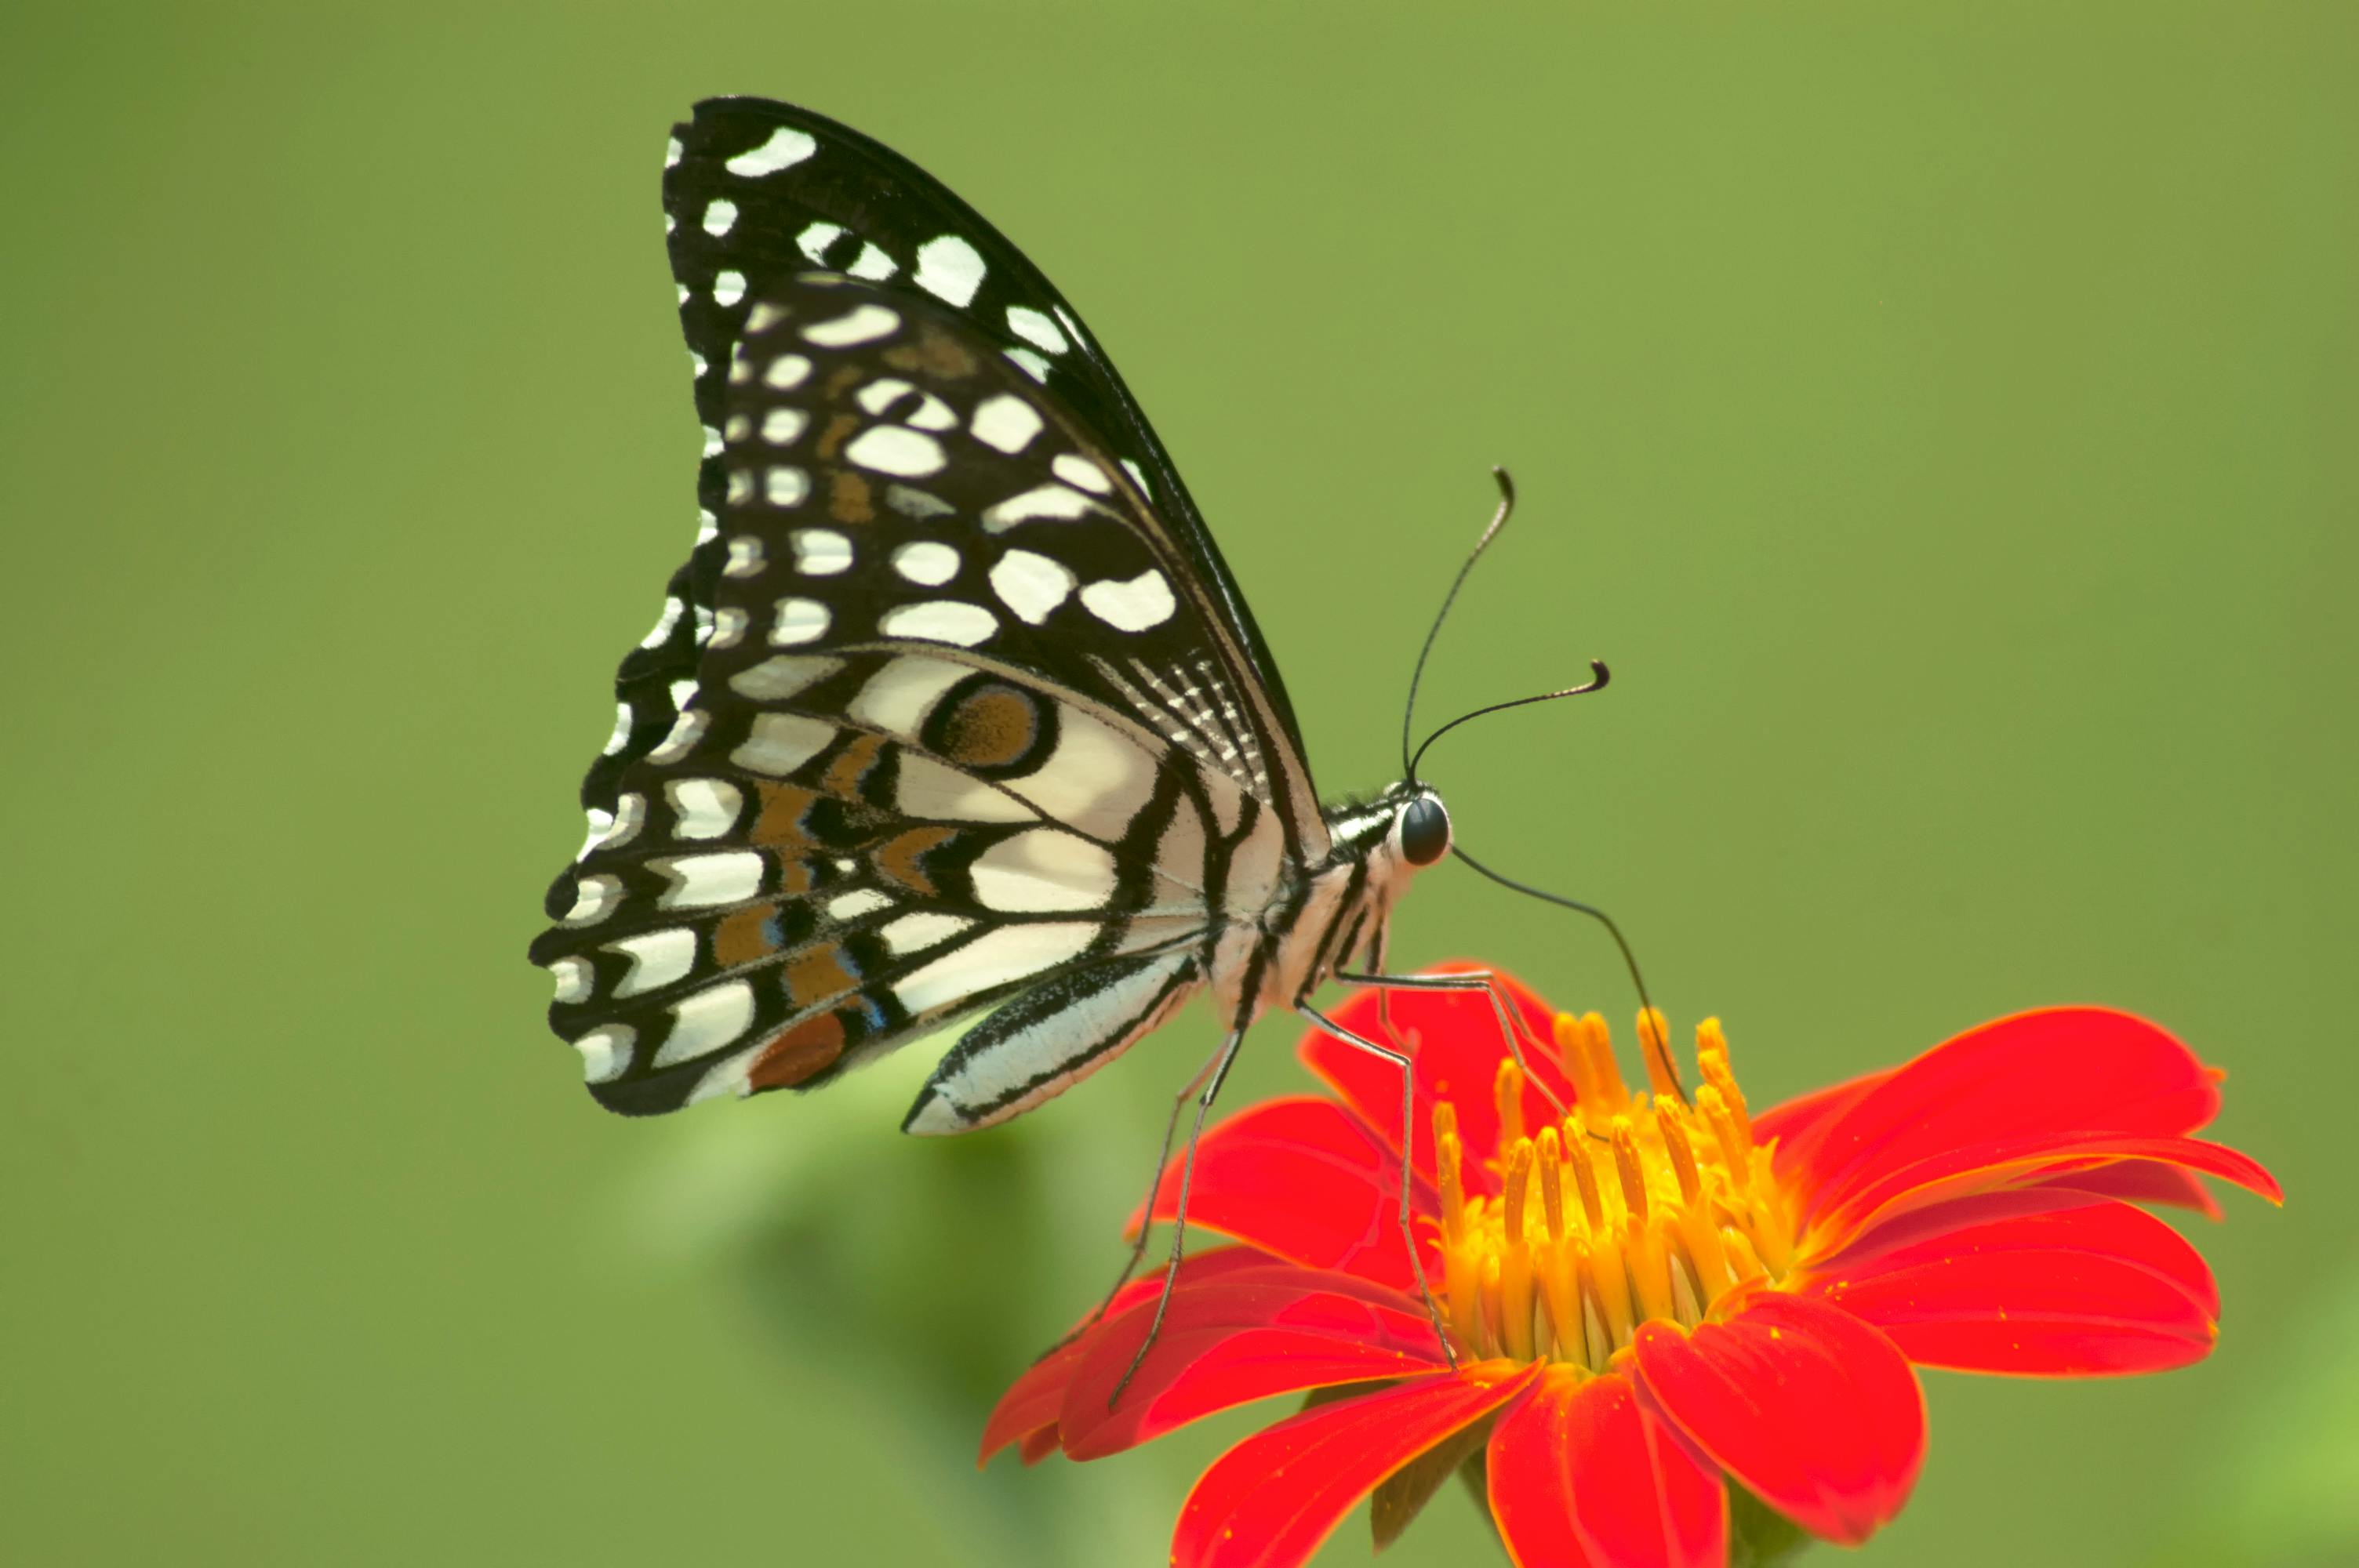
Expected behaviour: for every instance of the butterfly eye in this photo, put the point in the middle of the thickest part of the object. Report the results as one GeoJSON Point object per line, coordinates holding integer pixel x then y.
{"type": "Point", "coordinates": [1424, 830]}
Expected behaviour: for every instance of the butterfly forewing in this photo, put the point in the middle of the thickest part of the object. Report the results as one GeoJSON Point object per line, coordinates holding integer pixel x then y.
{"type": "Point", "coordinates": [756, 190]}
{"type": "Point", "coordinates": [957, 721]}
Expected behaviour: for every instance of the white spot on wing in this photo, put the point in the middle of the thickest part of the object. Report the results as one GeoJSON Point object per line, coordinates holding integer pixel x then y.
{"type": "Point", "coordinates": [601, 821]}
{"type": "Point", "coordinates": [935, 791]}
{"type": "Point", "coordinates": [1036, 328]}
{"type": "Point", "coordinates": [656, 958]}
{"type": "Point", "coordinates": [572, 977]}
{"type": "Point", "coordinates": [623, 719]}
{"type": "Point", "coordinates": [719, 216]}
{"type": "Point", "coordinates": [686, 731]}
{"type": "Point", "coordinates": [1031, 364]}
{"type": "Point", "coordinates": [1082, 472]}
{"type": "Point", "coordinates": [605, 1051]}
{"type": "Point", "coordinates": [800, 620]}
{"type": "Point", "coordinates": [707, 881]}
{"type": "Point", "coordinates": [949, 269]}
{"type": "Point", "coordinates": [861, 324]}
{"type": "Point", "coordinates": [814, 241]}
{"type": "Point", "coordinates": [781, 427]}
{"type": "Point", "coordinates": [910, 502]}
{"type": "Point", "coordinates": [896, 698]}
{"type": "Point", "coordinates": [786, 148]}
{"type": "Point", "coordinates": [890, 448]}
{"type": "Point", "coordinates": [702, 808]}
{"type": "Point", "coordinates": [819, 552]}
{"type": "Point", "coordinates": [1054, 503]}
{"type": "Point", "coordinates": [925, 562]}
{"type": "Point", "coordinates": [1031, 584]}
{"type": "Point", "coordinates": [671, 151]}
{"type": "Point", "coordinates": [1010, 953]}
{"type": "Point", "coordinates": [1095, 779]}
{"type": "Point", "coordinates": [857, 902]}
{"type": "Point", "coordinates": [785, 373]}
{"type": "Point", "coordinates": [729, 625]}
{"type": "Point", "coordinates": [630, 813]}
{"type": "Point", "coordinates": [594, 898]}
{"type": "Point", "coordinates": [931, 413]}
{"type": "Point", "coordinates": [744, 557]}
{"type": "Point", "coordinates": [1006, 422]}
{"type": "Point", "coordinates": [872, 265]}
{"type": "Point", "coordinates": [728, 288]}
{"type": "Point", "coordinates": [1044, 870]}
{"type": "Point", "coordinates": [781, 743]}
{"type": "Point", "coordinates": [915, 932]}
{"type": "Point", "coordinates": [1144, 601]}
{"type": "Point", "coordinates": [784, 485]}
{"type": "Point", "coordinates": [940, 620]}
{"type": "Point", "coordinates": [782, 676]}
{"type": "Point", "coordinates": [706, 1022]}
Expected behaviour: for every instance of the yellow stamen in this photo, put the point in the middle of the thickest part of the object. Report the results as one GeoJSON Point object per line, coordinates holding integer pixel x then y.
{"type": "Point", "coordinates": [1448, 1152]}
{"type": "Point", "coordinates": [1668, 1119]}
{"type": "Point", "coordinates": [1612, 1094]}
{"type": "Point", "coordinates": [1508, 1086]}
{"type": "Point", "coordinates": [1655, 1049]}
{"type": "Point", "coordinates": [1572, 1050]}
{"type": "Point", "coordinates": [1711, 1058]}
{"type": "Point", "coordinates": [1515, 1255]}
{"type": "Point", "coordinates": [1736, 1142]}
{"type": "Point", "coordinates": [1743, 1261]}
{"type": "Point", "coordinates": [1560, 1276]}
{"type": "Point", "coordinates": [1549, 1155]}
{"type": "Point", "coordinates": [1672, 1206]}
{"type": "Point", "coordinates": [1626, 1167]}
{"type": "Point", "coordinates": [1585, 1178]}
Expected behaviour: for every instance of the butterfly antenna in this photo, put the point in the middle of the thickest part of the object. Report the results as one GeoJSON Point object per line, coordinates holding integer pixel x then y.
{"type": "Point", "coordinates": [1499, 521]}
{"type": "Point", "coordinates": [1598, 675]}
{"type": "Point", "coordinates": [1629, 958]}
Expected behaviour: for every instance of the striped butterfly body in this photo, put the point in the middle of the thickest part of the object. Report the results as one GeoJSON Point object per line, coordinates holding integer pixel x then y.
{"type": "Point", "coordinates": [953, 704]}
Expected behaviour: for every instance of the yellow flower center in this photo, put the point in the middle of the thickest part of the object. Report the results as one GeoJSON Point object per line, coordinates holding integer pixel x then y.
{"type": "Point", "coordinates": [1632, 1207]}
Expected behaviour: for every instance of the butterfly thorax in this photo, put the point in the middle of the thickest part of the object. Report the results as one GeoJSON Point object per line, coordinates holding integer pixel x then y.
{"type": "Point", "coordinates": [1324, 917]}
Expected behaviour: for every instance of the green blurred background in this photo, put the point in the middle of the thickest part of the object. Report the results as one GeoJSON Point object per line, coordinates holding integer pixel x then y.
{"type": "Point", "coordinates": [1943, 418]}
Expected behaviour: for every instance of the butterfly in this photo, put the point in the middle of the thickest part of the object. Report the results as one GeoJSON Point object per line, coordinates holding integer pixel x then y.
{"type": "Point", "coordinates": [953, 705]}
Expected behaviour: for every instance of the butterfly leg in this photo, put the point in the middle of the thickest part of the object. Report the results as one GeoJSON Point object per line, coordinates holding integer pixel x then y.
{"type": "Point", "coordinates": [1408, 1163]}
{"type": "Point", "coordinates": [1482, 980]}
{"type": "Point", "coordinates": [1211, 1078]}
{"type": "Point", "coordinates": [1154, 1185]}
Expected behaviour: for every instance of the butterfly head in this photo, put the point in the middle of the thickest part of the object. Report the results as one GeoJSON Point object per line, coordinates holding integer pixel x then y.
{"type": "Point", "coordinates": [1420, 832]}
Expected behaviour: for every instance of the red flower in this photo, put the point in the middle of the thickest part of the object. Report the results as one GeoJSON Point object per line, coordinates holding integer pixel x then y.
{"type": "Point", "coordinates": [1648, 1298]}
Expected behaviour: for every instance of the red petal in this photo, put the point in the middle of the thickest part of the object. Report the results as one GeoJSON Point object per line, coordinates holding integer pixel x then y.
{"type": "Point", "coordinates": [1306, 1180]}
{"type": "Point", "coordinates": [1453, 1037]}
{"type": "Point", "coordinates": [2041, 1282]}
{"type": "Point", "coordinates": [1799, 1124]}
{"type": "Point", "coordinates": [1029, 1406]}
{"type": "Point", "coordinates": [1269, 1501]}
{"type": "Point", "coordinates": [2144, 1181]}
{"type": "Point", "coordinates": [1982, 1167]}
{"type": "Point", "coordinates": [1805, 1405]}
{"type": "Point", "coordinates": [1586, 1471]}
{"type": "Point", "coordinates": [2067, 1070]}
{"type": "Point", "coordinates": [1245, 1335]}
